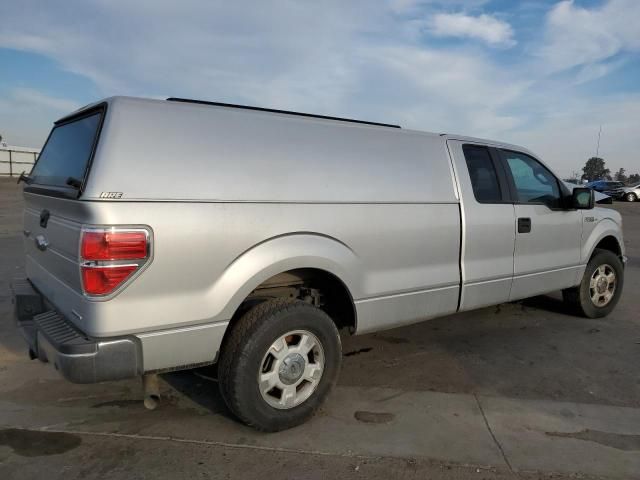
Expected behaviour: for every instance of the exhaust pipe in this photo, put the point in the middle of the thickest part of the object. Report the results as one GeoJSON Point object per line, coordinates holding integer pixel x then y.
{"type": "Point", "coordinates": [151, 391]}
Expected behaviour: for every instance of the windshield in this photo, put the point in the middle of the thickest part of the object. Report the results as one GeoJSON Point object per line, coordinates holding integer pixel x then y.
{"type": "Point", "coordinates": [67, 152]}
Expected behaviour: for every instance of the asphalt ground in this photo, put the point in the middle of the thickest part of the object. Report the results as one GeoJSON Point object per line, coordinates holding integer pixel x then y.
{"type": "Point", "coordinates": [519, 390]}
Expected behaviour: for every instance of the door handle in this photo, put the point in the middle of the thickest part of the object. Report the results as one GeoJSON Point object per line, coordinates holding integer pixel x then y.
{"type": "Point", "coordinates": [524, 225]}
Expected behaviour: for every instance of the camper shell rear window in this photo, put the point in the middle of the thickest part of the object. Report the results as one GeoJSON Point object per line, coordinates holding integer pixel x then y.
{"type": "Point", "coordinates": [63, 164]}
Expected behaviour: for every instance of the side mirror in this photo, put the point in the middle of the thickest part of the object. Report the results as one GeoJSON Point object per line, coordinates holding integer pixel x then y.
{"type": "Point", "coordinates": [582, 198]}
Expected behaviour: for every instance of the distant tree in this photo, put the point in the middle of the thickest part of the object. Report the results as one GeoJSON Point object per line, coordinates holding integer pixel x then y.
{"type": "Point", "coordinates": [594, 169]}
{"type": "Point", "coordinates": [620, 176]}
{"type": "Point", "coordinates": [634, 179]}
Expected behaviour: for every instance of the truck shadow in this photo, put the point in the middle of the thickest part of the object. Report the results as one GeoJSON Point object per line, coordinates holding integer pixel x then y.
{"type": "Point", "coordinates": [489, 351]}
{"type": "Point", "coordinates": [200, 386]}
{"type": "Point", "coordinates": [486, 351]}
{"type": "Point", "coordinates": [550, 303]}
{"type": "Point", "coordinates": [536, 348]}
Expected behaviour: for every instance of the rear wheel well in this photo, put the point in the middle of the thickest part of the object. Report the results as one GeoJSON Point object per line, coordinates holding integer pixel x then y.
{"type": "Point", "coordinates": [317, 287]}
{"type": "Point", "coordinates": [610, 243]}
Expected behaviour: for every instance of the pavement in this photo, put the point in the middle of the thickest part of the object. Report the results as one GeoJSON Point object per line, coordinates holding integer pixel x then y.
{"type": "Point", "coordinates": [516, 391]}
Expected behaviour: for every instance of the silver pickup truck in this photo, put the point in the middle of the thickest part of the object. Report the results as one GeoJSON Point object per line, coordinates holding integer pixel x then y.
{"type": "Point", "coordinates": [170, 234]}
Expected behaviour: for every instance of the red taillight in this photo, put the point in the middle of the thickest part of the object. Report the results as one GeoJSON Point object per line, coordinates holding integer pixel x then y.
{"type": "Point", "coordinates": [113, 245]}
{"type": "Point", "coordinates": [104, 280]}
{"type": "Point", "coordinates": [109, 256]}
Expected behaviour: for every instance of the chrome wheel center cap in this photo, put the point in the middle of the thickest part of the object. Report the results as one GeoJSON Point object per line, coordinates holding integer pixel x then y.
{"type": "Point", "coordinates": [291, 368]}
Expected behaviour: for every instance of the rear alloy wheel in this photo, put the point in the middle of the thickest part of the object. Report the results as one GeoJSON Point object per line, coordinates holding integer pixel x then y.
{"type": "Point", "coordinates": [601, 286]}
{"type": "Point", "coordinates": [278, 364]}
{"type": "Point", "coordinates": [630, 197]}
{"type": "Point", "coordinates": [291, 369]}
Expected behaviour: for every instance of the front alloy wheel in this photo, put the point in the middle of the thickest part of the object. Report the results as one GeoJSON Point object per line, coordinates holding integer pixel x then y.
{"type": "Point", "coordinates": [602, 285]}
{"type": "Point", "coordinates": [600, 288]}
{"type": "Point", "coordinates": [630, 197]}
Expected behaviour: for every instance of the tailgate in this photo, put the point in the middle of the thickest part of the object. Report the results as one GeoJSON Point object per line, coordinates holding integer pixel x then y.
{"type": "Point", "coordinates": [53, 214]}
{"type": "Point", "coordinates": [52, 235]}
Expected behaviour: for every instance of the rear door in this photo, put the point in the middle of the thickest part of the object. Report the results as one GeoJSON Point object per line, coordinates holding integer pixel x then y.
{"type": "Point", "coordinates": [53, 216]}
{"type": "Point", "coordinates": [488, 234]}
{"type": "Point", "coordinates": [548, 236]}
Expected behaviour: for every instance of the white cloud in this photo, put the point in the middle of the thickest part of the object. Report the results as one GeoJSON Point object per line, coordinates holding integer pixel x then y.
{"type": "Point", "coordinates": [31, 98]}
{"type": "Point", "coordinates": [576, 36]}
{"type": "Point", "coordinates": [359, 59]}
{"type": "Point", "coordinates": [593, 71]}
{"type": "Point", "coordinates": [569, 137]}
{"type": "Point", "coordinates": [29, 115]}
{"type": "Point", "coordinates": [471, 94]}
{"type": "Point", "coordinates": [415, 6]}
{"type": "Point", "coordinates": [318, 57]}
{"type": "Point", "coordinates": [484, 27]}
{"type": "Point", "coordinates": [238, 51]}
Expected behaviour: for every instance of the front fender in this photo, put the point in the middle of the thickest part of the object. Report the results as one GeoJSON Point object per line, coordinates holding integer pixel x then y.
{"type": "Point", "coordinates": [280, 254]}
{"type": "Point", "coordinates": [606, 227]}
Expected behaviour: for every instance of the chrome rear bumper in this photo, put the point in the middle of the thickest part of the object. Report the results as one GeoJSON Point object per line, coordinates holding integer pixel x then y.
{"type": "Point", "coordinates": [54, 339]}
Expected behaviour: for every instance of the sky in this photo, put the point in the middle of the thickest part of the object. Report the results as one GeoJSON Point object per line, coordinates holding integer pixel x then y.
{"type": "Point", "coordinates": [542, 74]}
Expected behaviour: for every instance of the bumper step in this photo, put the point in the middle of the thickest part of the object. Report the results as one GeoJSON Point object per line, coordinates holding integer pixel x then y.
{"type": "Point", "coordinates": [62, 335]}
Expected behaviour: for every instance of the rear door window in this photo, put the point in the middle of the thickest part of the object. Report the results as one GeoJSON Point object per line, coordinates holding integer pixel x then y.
{"type": "Point", "coordinates": [482, 171]}
{"type": "Point", "coordinates": [67, 152]}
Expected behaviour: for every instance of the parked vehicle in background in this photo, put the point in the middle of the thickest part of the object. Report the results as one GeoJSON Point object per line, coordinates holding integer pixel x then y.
{"type": "Point", "coordinates": [165, 235]}
{"type": "Point", "coordinates": [613, 189]}
{"type": "Point", "coordinates": [632, 193]}
{"type": "Point", "coordinates": [599, 197]}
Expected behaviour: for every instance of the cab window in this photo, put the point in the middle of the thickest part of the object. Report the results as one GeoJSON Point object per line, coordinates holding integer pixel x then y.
{"type": "Point", "coordinates": [482, 172]}
{"type": "Point", "coordinates": [533, 182]}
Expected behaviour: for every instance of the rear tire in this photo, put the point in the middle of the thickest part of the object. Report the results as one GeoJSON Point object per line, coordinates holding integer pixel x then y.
{"type": "Point", "coordinates": [600, 288]}
{"type": "Point", "coordinates": [289, 344]}
{"type": "Point", "coordinates": [630, 197]}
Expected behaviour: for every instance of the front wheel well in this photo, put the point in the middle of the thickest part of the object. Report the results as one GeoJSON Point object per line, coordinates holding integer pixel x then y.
{"type": "Point", "coordinates": [609, 243]}
{"type": "Point", "coordinates": [312, 285]}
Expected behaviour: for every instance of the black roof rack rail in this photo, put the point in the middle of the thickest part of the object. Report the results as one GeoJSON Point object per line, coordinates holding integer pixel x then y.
{"type": "Point", "coordinates": [272, 110]}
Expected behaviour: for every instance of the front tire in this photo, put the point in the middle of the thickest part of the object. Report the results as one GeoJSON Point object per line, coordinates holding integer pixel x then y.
{"type": "Point", "coordinates": [278, 364]}
{"type": "Point", "coordinates": [601, 286]}
{"type": "Point", "coordinates": [630, 197]}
